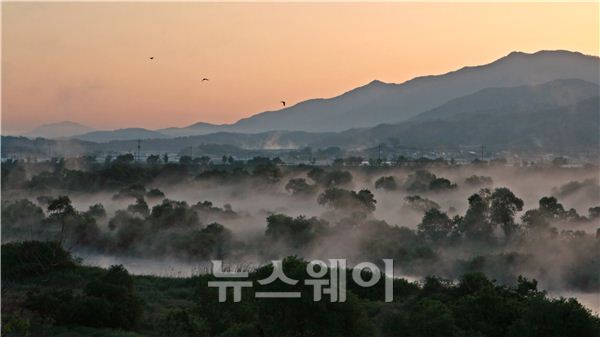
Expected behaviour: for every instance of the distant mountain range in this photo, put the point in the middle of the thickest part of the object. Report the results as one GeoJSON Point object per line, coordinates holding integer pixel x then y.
{"type": "Point", "coordinates": [545, 100]}
{"type": "Point", "coordinates": [59, 130]}
{"type": "Point", "coordinates": [120, 134]}
{"type": "Point", "coordinates": [560, 115]}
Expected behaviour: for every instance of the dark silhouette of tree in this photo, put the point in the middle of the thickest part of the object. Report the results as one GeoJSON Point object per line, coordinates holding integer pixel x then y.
{"type": "Point", "coordinates": [60, 209]}
{"type": "Point", "coordinates": [436, 225]}
{"type": "Point", "coordinates": [386, 183]}
{"type": "Point", "coordinates": [504, 205]}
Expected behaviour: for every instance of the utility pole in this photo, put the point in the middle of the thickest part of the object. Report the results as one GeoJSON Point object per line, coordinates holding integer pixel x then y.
{"type": "Point", "coordinates": [138, 150]}
{"type": "Point", "coordinates": [481, 152]}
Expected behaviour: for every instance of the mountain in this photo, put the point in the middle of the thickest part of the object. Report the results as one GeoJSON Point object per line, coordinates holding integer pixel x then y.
{"type": "Point", "coordinates": [192, 130]}
{"type": "Point", "coordinates": [271, 140]}
{"type": "Point", "coordinates": [58, 130]}
{"type": "Point", "coordinates": [119, 134]}
{"type": "Point", "coordinates": [560, 115]}
{"type": "Point", "coordinates": [524, 99]}
{"type": "Point", "coordinates": [379, 102]}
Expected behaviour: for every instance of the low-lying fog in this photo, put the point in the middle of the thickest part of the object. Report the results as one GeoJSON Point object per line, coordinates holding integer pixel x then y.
{"type": "Point", "coordinates": [255, 203]}
{"type": "Point", "coordinates": [549, 263]}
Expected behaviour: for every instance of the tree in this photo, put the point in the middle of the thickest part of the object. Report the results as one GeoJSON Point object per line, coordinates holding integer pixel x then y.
{"type": "Point", "coordinates": [126, 158]}
{"type": "Point", "coordinates": [431, 318]}
{"type": "Point", "coordinates": [331, 178]}
{"type": "Point", "coordinates": [315, 174]}
{"type": "Point", "coordinates": [504, 205]}
{"type": "Point", "coordinates": [96, 211]}
{"type": "Point", "coordinates": [439, 184]}
{"type": "Point", "coordinates": [185, 160]}
{"type": "Point", "coordinates": [155, 193]}
{"type": "Point", "coordinates": [140, 207]}
{"type": "Point", "coordinates": [60, 209]}
{"type": "Point", "coordinates": [117, 287]}
{"type": "Point", "coordinates": [540, 219]}
{"type": "Point", "coordinates": [475, 224]}
{"type": "Point", "coordinates": [436, 225]}
{"type": "Point", "coordinates": [419, 180]}
{"type": "Point", "coordinates": [20, 213]}
{"type": "Point", "coordinates": [551, 207]}
{"type": "Point", "coordinates": [338, 198]}
{"type": "Point", "coordinates": [299, 186]}
{"type": "Point", "coordinates": [420, 204]}
{"type": "Point", "coordinates": [594, 213]}
{"type": "Point", "coordinates": [296, 232]}
{"type": "Point", "coordinates": [386, 183]}
{"type": "Point", "coordinates": [268, 172]}
{"type": "Point", "coordinates": [153, 159]}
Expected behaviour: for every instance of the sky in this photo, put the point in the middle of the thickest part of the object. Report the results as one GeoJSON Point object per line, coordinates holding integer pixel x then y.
{"type": "Point", "coordinates": [89, 62]}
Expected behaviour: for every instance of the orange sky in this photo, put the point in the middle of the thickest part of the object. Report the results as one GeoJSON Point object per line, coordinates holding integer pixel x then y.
{"type": "Point", "coordinates": [88, 62]}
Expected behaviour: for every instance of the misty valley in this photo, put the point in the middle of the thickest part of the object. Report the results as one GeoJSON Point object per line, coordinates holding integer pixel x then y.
{"type": "Point", "coordinates": [513, 240]}
{"type": "Point", "coordinates": [300, 169]}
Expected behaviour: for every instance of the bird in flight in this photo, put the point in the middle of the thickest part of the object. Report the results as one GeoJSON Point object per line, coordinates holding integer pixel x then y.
{"type": "Point", "coordinates": [204, 79]}
{"type": "Point", "coordinates": [283, 102]}
{"type": "Point", "coordinates": [152, 57]}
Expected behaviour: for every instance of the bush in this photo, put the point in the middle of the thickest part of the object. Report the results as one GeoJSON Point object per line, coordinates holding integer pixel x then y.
{"type": "Point", "coordinates": [33, 258]}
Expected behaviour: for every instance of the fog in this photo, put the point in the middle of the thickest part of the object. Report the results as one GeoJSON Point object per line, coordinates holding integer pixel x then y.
{"type": "Point", "coordinates": [561, 261]}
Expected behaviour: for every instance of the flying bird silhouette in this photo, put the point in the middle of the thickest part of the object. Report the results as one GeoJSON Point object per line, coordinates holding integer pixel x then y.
{"type": "Point", "coordinates": [204, 79]}
{"type": "Point", "coordinates": [283, 102]}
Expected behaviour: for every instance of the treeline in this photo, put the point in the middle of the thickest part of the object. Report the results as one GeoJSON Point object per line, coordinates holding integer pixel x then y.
{"type": "Point", "coordinates": [489, 234]}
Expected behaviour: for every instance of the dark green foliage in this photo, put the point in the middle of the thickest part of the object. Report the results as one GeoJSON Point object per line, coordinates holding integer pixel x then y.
{"type": "Point", "coordinates": [436, 225]}
{"type": "Point", "coordinates": [296, 232]}
{"type": "Point", "coordinates": [109, 301]}
{"type": "Point", "coordinates": [212, 242]}
{"type": "Point", "coordinates": [440, 184]}
{"type": "Point", "coordinates": [155, 193]}
{"type": "Point", "coordinates": [136, 191]}
{"type": "Point", "coordinates": [33, 258]}
{"type": "Point", "coordinates": [299, 186]}
{"type": "Point", "coordinates": [594, 213]}
{"type": "Point", "coordinates": [338, 198]}
{"type": "Point", "coordinates": [386, 183]}
{"type": "Point", "coordinates": [96, 211]}
{"type": "Point", "coordinates": [423, 180]}
{"type": "Point", "coordinates": [329, 178]}
{"type": "Point", "coordinates": [269, 172]}
{"type": "Point", "coordinates": [476, 224]}
{"type": "Point", "coordinates": [183, 323]}
{"type": "Point", "coordinates": [21, 213]}
{"type": "Point", "coordinates": [419, 181]}
{"type": "Point", "coordinates": [171, 213]}
{"type": "Point", "coordinates": [419, 203]}
{"type": "Point", "coordinates": [140, 207]}
{"type": "Point", "coordinates": [504, 205]}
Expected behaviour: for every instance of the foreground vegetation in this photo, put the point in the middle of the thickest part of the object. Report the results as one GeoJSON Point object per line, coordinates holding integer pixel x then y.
{"type": "Point", "coordinates": [46, 292]}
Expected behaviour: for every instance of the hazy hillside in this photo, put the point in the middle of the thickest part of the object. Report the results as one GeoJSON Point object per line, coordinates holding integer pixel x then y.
{"type": "Point", "coordinates": [120, 134]}
{"type": "Point", "coordinates": [562, 128]}
{"type": "Point", "coordinates": [199, 128]}
{"type": "Point", "coordinates": [57, 130]}
{"type": "Point", "coordinates": [522, 98]}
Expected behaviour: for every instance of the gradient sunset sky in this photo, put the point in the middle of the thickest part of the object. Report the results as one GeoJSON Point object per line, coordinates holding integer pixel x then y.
{"type": "Point", "coordinates": [89, 62]}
